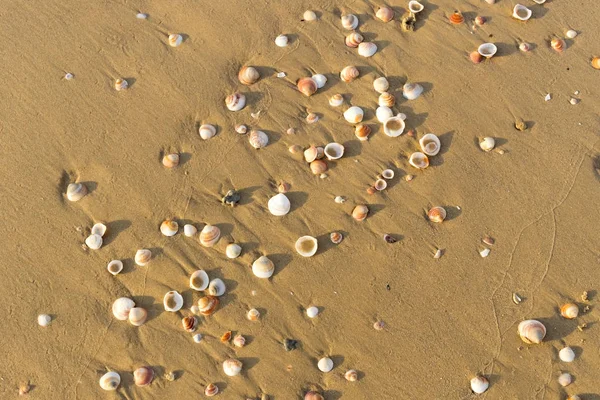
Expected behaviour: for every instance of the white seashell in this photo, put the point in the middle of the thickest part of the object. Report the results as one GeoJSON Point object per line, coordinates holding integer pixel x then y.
{"type": "Point", "coordinates": [141, 16]}
{"type": "Point", "coordinates": [121, 308]}
{"type": "Point", "coordinates": [232, 367]}
{"type": "Point", "coordinates": [394, 126]}
{"type": "Point", "coordinates": [312, 312]}
{"type": "Point", "coordinates": [411, 91]}
{"type": "Point", "coordinates": [539, 1]}
{"type": "Point", "coordinates": [336, 100]}
{"type": "Point", "coordinates": [350, 22]}
{"type": "Point", "coordinates": [531, 331]}
{"type": "Point", "coordinates": [487, 143]}
{"type": "Point", "coordinates": [189, 230]}
{"type": "Point", "coordinates": [263, 267]}
{"type": "Point", "coordinates": [279, 205]}
{"type": "Point", "coordinates": [387, 174]}
{"type": "Point", "coordinates": [115, 266]}
{"type": "Point", "coordinates": [217, 287]}
{"type": "Point", "coordinates": [137, 316]}
{"type": "Point", "coordinates": [94, 241]}
{"type": "Point", "coordinates": [142, 257]}
{"type": "Point", "coordinates": [367, 49]}
{"type": "Point", "coordinates": [487, 50]}
{"type": "Point", "coordinates": [309, 16]}
{"type": "Point", "coordinates": [521, 12]}
{"type": "Point", "coordinates": [99, 229]}
{"type": "Point", "coordinates": [258, 139]}
{"type": "Point", "coordinates": [415, 7]}
{"type": "Point", "coordinates": [484, 253]}
{"type": "Point", "coordinates": [570, 34]}
{"type": "Point", "coordinates": [479, 384]}
{"type": "Point", "coordinates": [233, 250]}
{"type": "Point", "coordinates": [565, 379]}
{"type": "Point", "coordinates": [334, 151]}
{"type": "Point", "coordinates": [76, 191]}
{"type": "Point", "coordinates": [44, 320]}
{"type": "Point", "coordinates": [175, 40]}
{"type": "Point", "coordinates": [197, 337]}
{"type": "Point", "coordinates": [253, 314]}
{"type": "Point", "coordinates": [381, 85]}
{"type": "Point", "coordinates": [325, 364]}
{"type": "Point", "coordinates": [241, 128]}
{"type": "Point", "coordinates": [354, 114]}
{"type": "Point", "coordinates": [339, 199]}
{"type": "Point", "coordinates": [566, 354]}
{"type": "Point", "coordinates": [307, 246]}
{"type": "Point", "coordinates": [199, 280]}
{"type": "Point", "coordinates": [383, 113]}
{"type": "Point", "coordinates": [418, 160]}
{"type": "Point", "coordinates": [430, 144]}
{"type": "Point", "coordinates": [281, 41]}
{"type": "Point", "coordinates": [110, 381]}
{"type": "Point", "coordinates": [121, 84]}
{"type": "Point", "coordinates": [169, 227]}
{"type": "Point", "coordinates": [173, 301]}
{"type": "Point", "coordinates": [235, 102]}
{"type": "Point", "coordinates": [207, 131]}
{"type": "Point", "coordinates": [320, 79]}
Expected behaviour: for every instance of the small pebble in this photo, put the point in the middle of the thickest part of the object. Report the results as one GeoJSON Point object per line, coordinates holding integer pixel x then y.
{"type": "Point", "coordinates": [44, 320]}
{"type": "Point", "coordinates": [281, 74]}
{"type": "Point", "coordinates": [290, 344]}
{"type": "Point", "coordinates": [309, 16]}
{"type": "Point", "coordinates": [488, 240]}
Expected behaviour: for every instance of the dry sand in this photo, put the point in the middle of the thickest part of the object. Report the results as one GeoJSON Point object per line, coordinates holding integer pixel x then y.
{"type": "Point", "coordinates": [445, 320]}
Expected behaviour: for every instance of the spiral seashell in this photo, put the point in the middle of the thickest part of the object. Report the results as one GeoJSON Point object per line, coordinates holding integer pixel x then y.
{"type": "Point", "coordinates": [142, 257]}
{"type": "Point", "coordinates": [307, 86]}
{"type": "Point", "coordinates": [239, 341]}
{"type": "Point", "coordinates": [394, 126]}
{"type": "Point", "coordinates": [44, 320]}
{"type": "Point", "coordinates": [207, 131]}
{"type": "Point", "coordinates": [306, 246]}
{"type": "Point", "coordinates": [351, 375]}
{"type": "Point", "coordinates": [248, 75]}
{"type": "Point", "coordinates": [521, 12]}
{"type": "Point", "coordinates": [258, 139]}
{"type": "Point", "coordinates": [558, 44]}
{"type": "Point", "coordinates": [169, 227]}
{"type": "Point", "coordinates": [385, 14]}
{"type": "Point", "coordinates": [566, 354]}
{"type": "Point", "coordinates": [386, 100]}
{"type": "Point", "coordinates": [279, 205]}
{"type": "Point", "coordinates": [207, 305]}
{"type": "Point", "coordinates": [170, 160]}
{"type": "Point", "coordinates": [479, 384]}
{"type": "Point", "coordinates": [309, 16]}
{"type": "Point", "coordinates": [253, 314]}
{"type": "Point", "coordinates": [209, 235]}
{"type": "Point", "coordinates": [173, 301]}
{"type": "Point", "coordinates": [336, 100]}
{"type": "Point", "coordinates": [76, 191]}
{"type": "Point", "coordinates": [411, 91]}
{"type": "Point", "coordinates": [137, 316]}
{"type": "Point", "coordinates": [354, 115]}
{"type": "Point", "coordinates": [189, 230]}
{"type": "Point", "coordinates": [349, 73]}
{"type": "Point", "coordinates": [475, 57]}
{"type": "Point", "coordinates": [233, 250]}
{"type": "Point", "coordinates": [531, 331]}
{"type": "Point", "coordinates": [110, 381]}
{"type": "Point", "coordinates": [241, 129]}
{"type": "Point", "coordinates": [211, 390]}
{"type": "Point", "coordinates": [430, 144]}
{"type": "Point", "coordinates": [362, 132]}
{"type": "Point", "coordinates": [387, 174]}
{"type": "Point", "coordinates": [367, 49]}
{"type": "Point", "coordinates": [189, 323]}
{"type": "Point", "coordinates": [380, 184]}
{"type": "Point", "coordinates": [418, 160]}
{"type": "Point", "coordinates": [595, 62]}
{"type": "Point", "coordinates": [336, 237]}
{"type": "Point", "coordinates": [317, 167]}
{"type": "Point", "coordinates": [569, 311]}
{"type": "Point", "coordinates": [325, 364]}
{"type": "Point", "coordinates": [565, 379]}
{"type": "Point", "coordinates": [350, 22]}
{"type": "Point", "coordinates": [143, 376]}
{"type": "Point", "coordinates": [381, 85]}
{"type": "Point", "coordinates": [415, 7]}
{"type": "Point", "coordinates": [94, 241]}
{"type": "Point", "coordinates": [311, 118]}
{"type": "Point", "coordinates": [354, 39]}
{"type": "Point", "coordinates": [311, 395]}
{"type": "Point", "coordinates": [232, 367]}
{"type": "Point", "coordinates": [437, 214]}
{"type": "Point", "coordinates": [263, 267]}
{"type": "Point", "coordinates": [487, 143]}
{"type": "Point", "coordinates": [175, 40]}
{"type": "Point", "coordinates": [333, 151]}
{"type": "Point", "coordinates": [121, 84]}
{"type": "Point", "coordinates": [217, 287]}
{"type": "Point", "coordinates": [199, 280]}
{"type": "Point", "coordinates": [360, 212]}
{"type": "Point", "coordinates": [456, 18]}
{"type": "Point", "coordinates": [235, 102]}
{"type": "Point", "coordinates": [320, 80]}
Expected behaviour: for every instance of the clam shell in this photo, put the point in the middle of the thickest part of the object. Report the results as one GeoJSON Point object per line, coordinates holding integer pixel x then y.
{"type": "Point", "coordinates": [207, 131]}
{"type": "Point", "coordinates": [309, 16]}
{"type": "Point", "coordinates": [189, 323]}
{"type": "Point", "coordinates": [170, 160]}
{"type": "Point", "coordinates": [239, 341]}
{"type": "Point", "coordinates": [312, 312]}
{"type": "Point", "coordinates": [110, 381]}
{"type": "Point", "coordinates": [209, 235]}
{"type": "Point", "coordinates": [306, 246]}
{"type": "Point", "coordinates": [480, 21]}
{"type": "Point", "coordinates": [258, 139]}
{"type": "Point", "coordinates": [76, 191]}
{"type": "Point", "coordinates": [99, 229]}
{"type": "Point", "coordinates": [354, 39]}
{"type": "Point", "coordinates": [387, 174]}
{"type": "Point", "coordinates": [349, 73]}
{"type": "Point", "coordinates": [487, 143]}
{"type": "Point", "coordinates": [487, 50]}
{"type": "Point", "coordinates": [430, 144]}
{"type": "Point", "coordinates": [380, 184]}
{"type": "Point", "coordinates": [394, 126]}
{"type": "Point", "coordinates": [94, 241]}
{"type": "Point", "coordinates": [232, 367]}
{"type": "Point", "coordinates": [325, 364]}
{"type": "Point", "coordinates": [437, 214]}
{"type": "Point", "coordinates": [142, 257]}
{"type": "Point", "coordinates": [456, 18]}
{"type": "Point", "coordinates": [351, 375]}
{"type": "Point", "coordinates": [385, 14]}
{"type": "Point", "coordinates": [565, 379]}
{"type": "Point", "coordinates": [411, 91]}
{"type": "Point", "coordinates": [137, 316]}
{"type": "Point", "coordinates": [44, 320]}
{"type": "Point", "coordinates": [531, 331]}
{"type": "Point", "coordinates": [418, 160]}
{"type": "Point", "coordinates": [521, 12]}
{"type": "Point", "coordinates": [281, 41]}
{"type": "Point", "coordinates": [207, 305]}
{"type": "Point", "coordinates": [121, 84]}
{"type": "Point", "coordinates": [336, 237]}
{"type": "Point", "coordinates": [248, 75]}
{"type": "Point", "coordinates": [217, 287]}
{"type": "Point", "coordinates": [336, 100]}
{"type": "Point", "coordinates": [189, 230]}
{"type": "Point", "coordinates": [354, 115]}
{"type": "Point", "coordinates": [143, 376]}
{"type": "Point", "coordinates": [235, 101]}
{"type": "Point", "coordinates": [199, 280]}
{"type": "Point", "coordinates": [233, 250]}
{"type": "Point", "coordinates": [569, 311]}
{"type": "Point", "coordinates": [173, 301]}
{"type": "Point", "coordinates": [121, 308]}
{"type": "Point", "coordinates": [350, 22]}
{"type": "Point", "coordinates": [367, 49]}
{"type": "Point", "coordinates": [362, 132]}
{"type": "Point", "coordinates": [524, 47]}
{"type": "Point", "coordinates": [175, 40]}
{"type": "Point", "coordinates": [320, 80]}
{"type": "Point", "coordinates": [383, 113]}
{"type": "Point", "coordinates": [386, 100]}
{"type": "Point", "coordinates": [571, 34]}
{"type": "Point", "coordinates": [241, 129]}
{"type": "Point", "coordinates": [310, 154]}
{"type": "Point", "coordinates": [334, 151]}
{"type": "Point", "coordinates": [279, 205]}
{"type": "Point", "coordinates": [360, 212]}
{"type": "Point", "coordinates": [415, 7]}
{"type": "Point", "coordinates": [595, 62]}
{"type": "Point", "coordinates": [317, 167]}
{"type": "Point", "coordinates": [169, 227]}
{"type": "Point", "coordinates": [566, 354]}
{"type": "Point", "coordinates": [475, 57]}
{"type": "Point", "coordinates": [253, 314]}
{"type": "Point", "coordinates": [381, 85]}
{"type": "Point", "coordinates": [263, 267]}
{"type": "Point", "coordinates": [479, 384]}
{"type": "Point", "coordinates": [307, 86]}
{"type": "Point", "coordinates": [211, 390]}
{"type": "Point", "coordinates": [558, 44]}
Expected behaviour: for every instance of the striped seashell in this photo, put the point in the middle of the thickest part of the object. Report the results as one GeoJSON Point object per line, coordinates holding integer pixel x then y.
{"type": "Point", "coordinates": [456, 18]}
{"type": "Point", "coordinates": [143, 376]}
{"type": "Point", "coordinates": [142, 257]}
{"type": "Point", "coordinates": [307, 86]}
{"type": "Point", "coordinates": [367, 49]}
{"type": "Point", "coordinates": [354, 39]}
{"type": "Point", "coordinates": [248, 75]}
{"type": "Point", "coordinates": [558, 44]}
{"type": "Point", "coordinates": [350, 21]}
{"type": "Point", "coordinates": [76, 191]}
{"type": "Point", "coordinates": [385, 14]}
{"type": "Point", "coordinates": [437, 214]}
{"type": "Point", "coordinates": [362, 132]}
{"type": "Point", "coordinates": [351, 375]}
{"type": "Point", "coordinates": [349, 73]}
{"type": "Point", "coordinates": [235, 102]}
{"type": "Point", "coordinates": [386, 99]}
{"type": "Point", "coordinates": [226, 337]}
{"type": "Point", "coordinates": [209, 235]}
{"type": "Point", "coordinates": [169, 227]}
{"type": "Point", "coordinates": [531, 331]}
{"type": "Point", "coordinates": [189, 323]}
{"type": "Point", "coordinates": [360, 212]}
{"type": "Point", "coordinates": [317, 167]}
{"type": "Point", "coordinates": [258, 139]}
{"type": "Point", "coordinates": [211, 390]}
{"type": "Point", "coordinates": [569, 311]}
{"type": "Point", "coordinates": [336, 100]}
{"type": "Point", "coordinates": [207, 305]}
{"type": "Point", "coordinates": [336, 237]}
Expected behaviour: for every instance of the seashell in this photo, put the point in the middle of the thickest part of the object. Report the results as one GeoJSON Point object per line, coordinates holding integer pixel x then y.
{"type": "Point", "coordinates": [209, 235]}
{"type": "Point", "coordinates": [173, 301]}
{"type": "Point", "coordinates": [349, 73]}
{"type": "Point", "coordinates": [235, 102]}
{"type": "Point", "coordinates": [207, 305]}
{"type": "Point", "coordinates": [380, 184]}
{"type": "Point", "coordinates": [320, 152]}
{"type": "Point", "coordinates": [169, 227]}
{"type": "Point", "coordinates": [566, 354]}
{"type": "Point", "coordinates": [211, 390]}
{"type": "Point", "coordinates": [217, 287]}
{"type": "Point", "coordinates": [539, 1]}
{"type": "Point", "coordinates": [386, 100]}
{"type": "Point", "coordinates": [389, 238]}
{"type": "Point", "coordinates": [170, 160]}
{"type": "Point", "coordinates": [480, 21]}
{"type": "Point", "coordinates": [241, 129]}
{"type": "Point", "coordinates": [487, 143]}
{"type": "Point", "coordinates": [484, 253]}
{"type": "Point", "coordinates": [387, 174]}
{"type": "Point", "coordinates": [336, 100]}
{"type": "Point", "coordinates": [415, 7]}
{"type": "Point", "coordinates": [334, 151]}
{"type": "Point", "coordinates": [253, 314]}
{"type": "Point", "coordinates": [309, 16]}
{"type": "Point", "coordinates": [362, 132]}
{"type": "Point", "coordinates": [121, 308]}
{"type": "Point", "coordinates": [381, 85]}
{"type": "Point", "coordinates": [383, 114]}
{"type": "Point", "coordinates": [354, 39]}
{"type": "Point", "coordinates": [430, 144]}
{"type": "Point", "coordinates": [239, 341]}
{"type": "Point", "coordinates": [142, 257]}
{"type": "Point", "coordinates": [98, 229]}
{"type": "Point", "coordinates": [143, 376]}
{"type": "Point", "coordinates": [137, 316]}
{"type": "Point", "coordinates": [311, 395]}
{"type": "Point", "coordinates": [418, 160]}
{"type": "Point", "coordinates": [565, 379]}
{"type": "Point", "coordinates": [354, 115]}
{"type": "Point", "coordinates": [516, 299]}
{"type": "Point", "coordinates": [94, 241]}
{"type": "Point", "coordinates": [558, 44]}
{"type": "Point", "coordinates": [207, 131]}
{"type": "Point", "coordinates": [233, 250]}
{"type": "Point", "coordinates": [437, 214]}
{"type": "Point", "coordinates": [531, 331]}
{"type": "Point", "coordinates": [279, 204]}
{"type": "Point", "coordinates": [385, 14]}
{"type": "Point", "coordinates": [456, 18]}
{"type": "Point", "coordinates": [479, 384]}
{"type": "Point", "coordinates": [371, 190]}
{"type": "Point", "coordinates": [197, 337]}
{"type": "Point", "coordinates": [307, 86]}
{"type": "Point", "coordinates": [110, 381]}
{"type": "Point", "coordinates": [189, 230]}
{"type": "Point", "coordinates": [175, 40]}
{"type": "Point", "coordinates": [44, 320]}
{"type": "Point", "coordinates": [350, 22]}
{"type": "Point", "coordinates": [524, 47]}
{"type": "Point", "coordinates": [281, 41]}
{"type": "Point", "coordinates": [569, 311]}
{"type": "Point", "coordinates": [312, 311]}
{"type": "Point", "coordinates": [360, 212]}
{"type": "Point", "coordinates": [521, 12]}
{"type": "Point", "coordinates": [310, 154]}
{"type": "Point", "coordinates": [199, 280]}
{"type": "Point", "coordinates": [232, 367]}
{"type": "Point", "coordinates": [336, 237]}
{"type": "Point", "coordinates": [320, 80]}
{"type": "Point", "coordinates": [306, 246]}
{"type": "Point", "coordinates": [438, 254]}
{"type": "Point", "coordinates": [248, 75]}
{"type": "Point", "coordinates": [325, 364]}
{"type": "Point", "coordinates": [487, 50]}
{"type": "Point", "coordinates": [394, 126]}
{"type": "Point", "coordinates": [311, 118]}
{"type": "Point", "coordinates": [339, 199]}
{"type": "Point", "coordinates": [226, 337]}
{"type": "Point", "coordinates": [258, 139]}
{"type": "Point", "coordinates": [595, 64]}
{"type": "Point", "coordinates": [189, 323]}
{"type": "Point", "coordinates": [76, 191]}
{"type": "Point", "coordinates": [574, 397]}
{"type": "Point", "coordinates": [367, 49]}
{"type": "Point", "coordinates": [121, 84]}
{"type": "Point", "coordinates": [475, 57]}
{"type": "Point", "coordinates": [411, 91]}
{"type": "Point", "coordinates": [318, 167]}
{"type": "Point", "coordinates": [351, 375]}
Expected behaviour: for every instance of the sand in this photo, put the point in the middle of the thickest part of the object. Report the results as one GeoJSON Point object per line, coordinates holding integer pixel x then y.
{"type": "Point", "coordinates": [446, 319]}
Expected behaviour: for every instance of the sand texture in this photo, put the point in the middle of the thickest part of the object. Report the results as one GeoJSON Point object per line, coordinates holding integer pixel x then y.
{"type": "Point", "coordinates": [446, 320]}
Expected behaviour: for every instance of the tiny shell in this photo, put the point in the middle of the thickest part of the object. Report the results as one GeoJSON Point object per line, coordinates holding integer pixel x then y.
{"type": "Point", "coordinates": [121, 84]}
{"type": "Point", "coordinates": [354, 115]}
{"type": "Point", "coordinates": [263, 267]}
{"type": "Point", "coordinates": [438, 254]}
{"type": "Point", "coordinates": [367, 49]}
{"type": "Point", "coordinates": [475, 57]}
{"type": "Point", "coordinates": [175, 40]}
{"type": "Point", "coordinates": [253, 314]}
{"type": "Point", "coordinates": [312, 312]}
{"type": "Point", "coordinates": [339, 199]}
{"type": "Point", "coordinates": [110, 381]}
{"type": "Point", "coordinates": [418, 160]}
{"type": "Point", "coordinates": [487, 50]}
{"type": "Point", "coordinates": [430, 144]}
{"type": "Point", "coordinates": [207, 305]}
{"type": "Point", "coordinates": [142, 257]}
{"type": "Point", "coordinates": [354, 39]}
{"type": "Point", "coordinates": [189, 323]}
{"type": "Point", "coordinates": [121, 308]}
{"type": "Point", "coordinates": [207, 131]}
{"type": "Point", "coordinates": [349, 73]}
{"type": "Point", "coordinates": [239, 341]}
{"type": "Point", "coordinates": [309, 16]}
{"type": "Point", "coordinates": [311, 118]}
{"type": "Point", "coordinates": [241, 129]}
{"type": "Point", "coordinates": [385, 14]}
{"type": "Point", "coordinates": [310, 154]}
{"type": "Point", "coordinates": [531, 331]}
{"type": "Point", "coordinates": [44, 320]}
{"type": "Point", "coordinates": [232, 367]}
{"type": "Point", "coordinates": [325, 364]}
{"type": "Point", "coordinates": [349, 22]}
{"type": "Point", "coordinates": [211, 390]}
{"type": "Point", "coordinates": [143, 376]}
{"type": "Point", "coordinates": [479, 384]}
{"type": "Point", "coordinates": [412, 91]}
{"type": "Point", "coordinates": [248, 75]}
{"type": "Point", "coordinates": [521, 12]}
{"type": "Point", "coordinates": [173, 301]}
{"type": "Point", "coordinates": [456, 18]}
{"type": "Point", "coordinates": [317, 167]}
{"type": "Point", "coordinates": [279, 205]}
{"type": "Point", "coordinates": [334, 151]}
{"type": "Point", "coordinates": [571, 34]}
{"type": "Point", "coordinates": [209, 235]}
{"type": "Point", "coordinates": [197, 337]}
{"type": "Point", "coordinates": [362, 132]}
{"type": "Point", "coordinates": [569, 311]}
{"type": "Point", "coordinates": [98, 229]}
{"type": "Point", "coordinates": [226, 337]}
{"type": "Point", "coordinates": [383, 114]}
{"type": "Point", "coordinates": [320, 80]}
{"type": "Point", "coordinates": [189, 230]}
{"type": "Point", "coordinates": [170, 160]}
{"type": "Point", "coordinates": [380, 184]}
{"type": "Point", "coordinates": [312, 395]}
{"type": "Point", "coordinates": [565, 379]}
{"type": "Point", "coordinates": [336, 100]}
{"type": "Point", "coordinates": [217, 287]}
{"type": "Point", "coordinates": [558, 44]}
{"type": "Point", "coordinates": [336, 237]}
{"type": "Point", "coordinates": [199, 280]}
{"type": "Point", "coordinates": [351, 375]}
{"type": "Point", "coordinates": [258, 139]}
{"type": "Point", "coordinates": [386, 100]}
{"type": "Point", "coordinates": [484, 252]}
{"type": "Point", "coordinates": [360, 212]}
{"type": "Point", "coordinates": [306, 246]}
{"type": "Point", "coordinates": [487, 143]}
{"type": "Point", "coordinates": [566, 354]}
{"type": "Point", "coordinates": [307, 86]}
{"type": "Point", "coordinates": [281, 41]}
{"type": "Point", "coordinates": [137, 316]}
{"type": "Point", "coordinates": [437, 214]}
{"type": "Point", "coordinates": [516, 299]}
{"type": "Point", "coordinates": [169, 227]}
{"type": "Point", "coordinates": [235, 101]}
{"type": "Point", "coordinates": [381, 85]}
{"type": "Point", "coordinates": [76, 191]}
{"type": "Point", "coordinates": [233, 250]}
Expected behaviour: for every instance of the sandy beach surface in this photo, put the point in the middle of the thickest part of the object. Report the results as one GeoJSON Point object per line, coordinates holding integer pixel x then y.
{"type": "Point", "coordinates": [445, 320]}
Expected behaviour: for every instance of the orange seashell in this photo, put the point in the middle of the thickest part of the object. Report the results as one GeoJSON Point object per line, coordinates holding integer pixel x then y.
{"type": "Point", "coordinates": [457, 18]}
{"type": "Point", "coordinates": [475, 57]}
{"type": "Point", "coordinates": [354, 39]}
{"type": "Point", "coordinates": [437, 214]}
{"type": "Point", "coordinates": [595, 62]}
{"type": "Point", "coordinates": [360, 212]}
{"type": "Point", "coordinates": [307, 86]}
{"type": "Point", "coordinates": [362, 132]}
{"type": "Point", "coordinates": [189, 323]}
{"type": "Point", "coordinates": [385, 14]}
{"type": "Point", "coordinates": [211, 390]}
{"type": "Point", "coordinates": [569, 311]}
{"type": "Point", "coordinates": [318, 167]}
{"type": "Point", "coordinates": [248, 75]}
{"type": "Point", "coordinates": [371, 190]}
{"type": "Point", "coordinates": [226, 337]}
{"type": "Point", "coordinates": [336, 237]}
{"type": "Point", "coordinates": [349, 73]}
{"type": "Point", "coordinates": [558, 44]}
{"type": "Point", "coordinates": [253, 315]}
{"type": "Point", "coordinates": [208, 305]}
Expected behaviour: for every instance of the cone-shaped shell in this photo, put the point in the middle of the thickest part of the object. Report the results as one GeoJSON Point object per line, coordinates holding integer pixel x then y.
{"type": "Point", "coordinates": [173, 301]}
{"type": "Point", "coordinates": [248, 75]}
{"type": "Point", "coordinates": [354, 39]}
{"type": "Point", "coordinates": [394, 126]}
{"type": "Point", "coordinates": [258, 139]}
{"type": "Point", "coordinates": [142, 257]}
{"type": "Point", "coordinates": [411, 91]}
{"type": "Point", "coordinates": [479, 384]}
{"type": "Point", "coordinates": [317, 167]}
{"type": "Point", "coordinates": [354, 114]}
{"type": "Point", "coordinates": [143, 376]}
{"type": "Point", "coordinates": [137, 316]}
{"type": "Point", "coordinates": [569, 311]}
{"type": "Point", "coordinates": [76, 191]}
{"type": "Point", "coordinates": [263, 267]}
{"type": "Point", "coordinates": [381, 85]}
{"type": "Point", "coordinates": [430, 144]}
{"type": "Point", "coordinates": [209, 235]}
{"type": "Point", "coordinates": [362, 132]}
{"type": "Point", "coordinates": [521, 12]}
{"type": "Point", "coordinates": [211, 390]}
{"type": "Point", "coordinates": [415, 7]}
{"type": "Point", "coordinates": [349, 73]}
{"type": "Point", "coordinates": [208, 305]}
{"type": "Point", "coordinates": [487, 50]}
{"type": "Point", "coordinates": [437, 214]}
{"type": "Point", "coordinates": [199, 280]}
{"type": "Point", "coordinates": [207, 131]}
{"type": "Point", "coordinates": [233, 250]}
{"type": "Point", "coordinates": [334, 151]}
{"type": "Point", "coordinates": [217, 287]}
{"type": "Point", "coordinates": [235, 101]}
{"type": "Point", "coordinates": [367, 49]}
{"type": "Point", "coordinates": [121, 308]}
{"type": "Point", "coordinates": [110, 381]}
{"type": "Point", "coordinates": [94, 241]}
{"type": "Point", "coordinates": [279, 204]}
{"type": "Point", "coordinates": [175, 40]}
{"type": "Point", "coordinates": [189, 323]}
{"type": "Point", "coordinates": [232, 367]}
{"type": "Point", "coordinates": [170, 160]}
{"type": "Point", "coordinates": [418, 160]}
{"type": "Point", "coordinates": [306, 246]}
{"type": "Point", "coordinates": [169, 227]}
{"type": "Point", "coordinates": [532, 331]}
{"type": "Point", "coordinates": [307, 86]}
{"type": "Point", "coordinates": [115, 266]}
{"type": "Point", "coordinates": [350, 22]}
{"type": "Point", "coordinates": [360, 212]}
{"type": "Point", "coordinates": [456, 18]}
{"type": "Point", "coordinates": [385, 14]}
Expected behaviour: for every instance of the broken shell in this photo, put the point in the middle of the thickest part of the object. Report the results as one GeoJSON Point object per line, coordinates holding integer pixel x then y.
{"type": "Point", "coordinates": [189, 230]}
{"type": "Point", "coordinates": [317, 167]}
{"type": "Point", "coordinates": [595, 64]}
{"type": "Point", "coordinates": [137, 316]}
{"type": "Point", "coordinates": [239, 341]}
{"type": "Point", "coordinates": [389, 238]}
{"type": "Point", "coordinates": [281, 41]}
{"type": "Point", "coordinates": [307, 86]}
{"type": "Point", "coordinates": [263, 267]}
{"type": "Point", "coordinates": [516, 298]}
{"type": "Point", "coordinates": [381, 85]}
{"type": "Point", "coordinates": [189, 323]}
{"type": "Point", "coordinates": [253, 314]}
{"type": "Point", "coordinates": [306, 246]}
{"type": "Point", "coordinates": [351, 375]}
{"type": "Point", "coordinates": [521, 12]}
{"type": "Point", "coordinates": [438, 254]}
{"type": "Point", "coordinates": [209, 235]}
{"type": "Point", "coordinates": [170, 160]}
{"type": "Point", "coordinates": [76, 191]}
{"type": "Point", "coordinates": [248, 75]}
{"type": "Point", "coordinates": [565, 379]}
{"type": "Point", "coordinates": [362, 132]}
{"type": "Point", "coordinates": [475, 57]}
{"type": "Point", "coordinates": [430, 144]}
{"type": "Point", "coordinates": [44, 320]}
{"type": "Point", "coordinates": [173, 301]}
{"type": "Point", "coordinates": [566, 354]}
{"type": "Point", "coordinates": [354, 39]}
{"type": "Point", "coordinates": [387, 174]}
{"type": "Point", "coordinates": [394, 126]}
{"type": "Point", "coordinates": [437, 214]}
{"type": "Point", "coordinates": [94, 241]}
{"type": "Point", "coordinates": [339, 199]}
{"type": "Point", "coordinates": [360, 212]}
{"type": "Point", "coordinates": [325, 364]}
{"type": "Point", "coordinates": [169, 227]}
{"type": "Point", "coordinates": [334, 151]}
{"type": "Point", "coordinates": [258, 139]}
{"type": "Point", "coordinates": [143, 376]}
{"type": "Point", "coordinates": [456, 18]}
{"type": "Point", "coordinates": [524, 47]}
{"type": "Point", "coordinates": [336, 100]}
{"type": "Point", "coordinates": [349, 73]}
{"type": "Point", "coordinates": [110, 381]}
{"type": "Point", "coordinates": [558, 44]}
{"type": "Point", "coordinates": [569, 311]}
{"type": "Point", "coordinates": [479, 384]}
{"type": "Point", "coordinates": [211, 390]}
{"type": "Point", "coordinates": [309, 16]}
{"type": "Point", "coordinates": [487, 143]}
{"type": "Point", "coordinates": [235, 102]}
{"type": "Point", "coordinates": [232, 367]}
{"type": "Point", "coordinates": [383, 114]}
{"type": "Point", "coordinates": [531, 331]}
{"type": "Point", "coordinates": [121, 84]}
{"type": "Point", "coordinates": [367, 49]}
{"type": "Point", "coordinates": [279, 204]}
{"type": "Point", "coordinates": [310, 154]}
{"type": "Point", "coordinates": [175, 40]}
{"type": "Point", "coordinates": [385, 14]}
{"type": "Point", "coordinates": [233, 250]}
{"type": "Point", "coordinates": [418, 160]}
{"type": "Point", "coordinates": [207, 131]}
{"type": "Point", "coordinates": [380, 184]}
{"type": "Point", "coordinates": [411, 91]}
{"type": "Point", "coordinates": [487, 50]}
{"type": "Point", "coordinates": [336, 237]}
{"type": "Point", "coordinates": [121, 308]}
{"type": "Point", "coordinates": [142, 257]}
{"type": "Point", "coordinates": [386, 100]}
{"type": "Point", "coordinates": [311, 118]}
{"type": "Point", "coordinates": [217, 287]}
{"type": "Point", "coordinates": [208, 305]}
{"type": "Point", "coordinates": [415, 7]}
{"type": "Point", "coordinates": [350, 22]}
{"type": "Point", "coordinates": [320, 80]}
{"type": "Point", "coordinates": [484, 252]}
